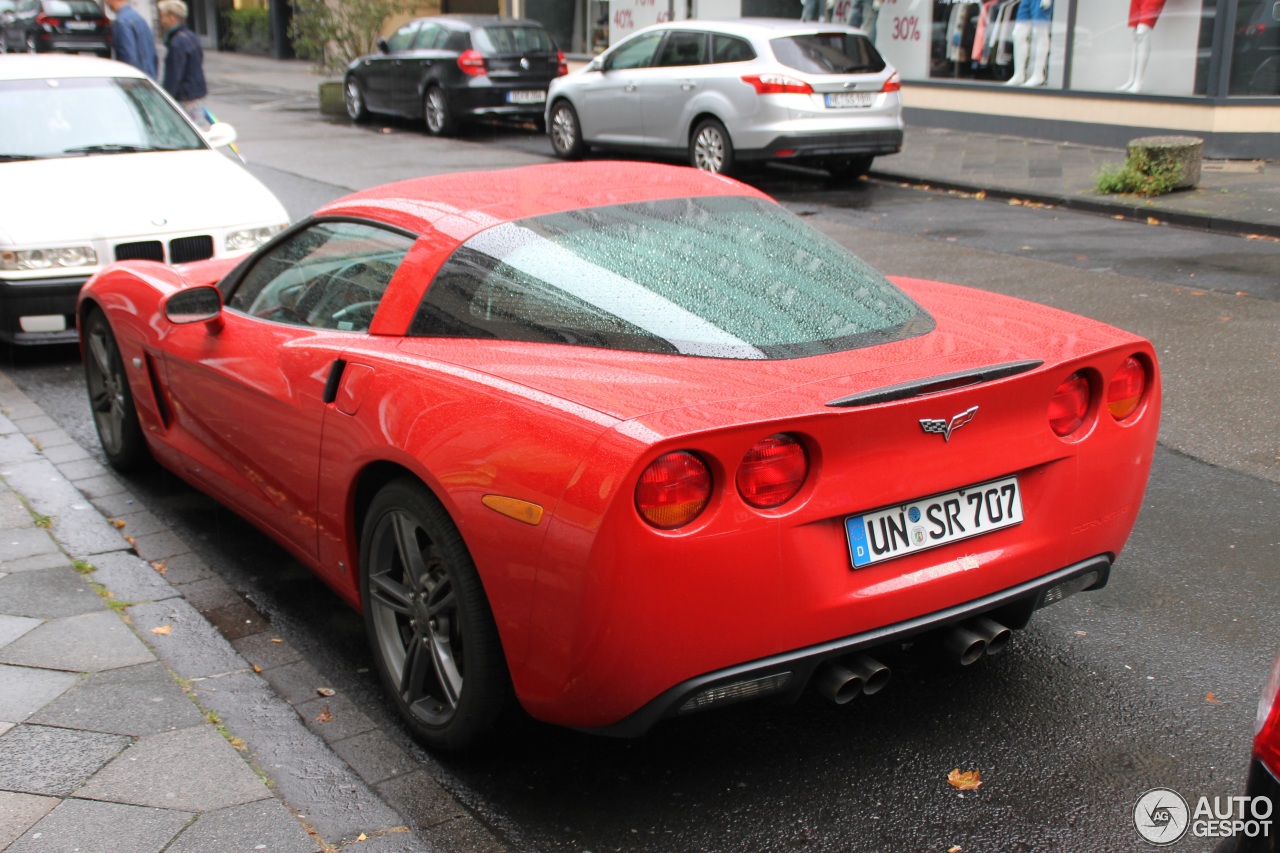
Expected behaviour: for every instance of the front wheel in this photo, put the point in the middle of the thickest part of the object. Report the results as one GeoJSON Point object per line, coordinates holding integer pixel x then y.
{"type": "Point", "coordinates": [566, 132]}
{"type": "Point", "coordinates": [710, 148]}
{"type": "Point", "coordinates": [110, 398]}
{"type": "Point", "coordinates": [435, 111]}
{"type": "Point", "coordinates": [353, 99]}
{"type": "Point", "coordinates": [428, 621]}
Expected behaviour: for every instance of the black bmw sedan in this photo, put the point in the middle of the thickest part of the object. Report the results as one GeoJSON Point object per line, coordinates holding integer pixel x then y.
{"type": "Point", "coordinates": [451, 69]}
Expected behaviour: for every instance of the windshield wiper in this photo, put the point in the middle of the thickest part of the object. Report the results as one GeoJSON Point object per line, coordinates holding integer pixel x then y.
{"type": "Point", "coordinates": [112, 148]}
{"type": "Point", "coordinates": [6, 158]}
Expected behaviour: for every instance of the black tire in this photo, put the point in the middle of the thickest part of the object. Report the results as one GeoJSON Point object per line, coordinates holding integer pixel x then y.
{"type": "Point", "coordinates": [849, 168]}
{"type": "Point", "coordinates": [435, 112]}
{"type": "Point", "coordinates": [110, 398]}
{"type": "Point", "coordinates": [353, 99]}
{"type": "Point", "coordinates": [566, 132]}
{"type": "Point", "coordinates": [428, 621]}
{"type": "Point", "coordinates": [710, 148]}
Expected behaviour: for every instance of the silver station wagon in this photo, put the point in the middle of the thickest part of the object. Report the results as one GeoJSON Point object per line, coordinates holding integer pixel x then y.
{"type": "Point", "coordinates": [726, 93]}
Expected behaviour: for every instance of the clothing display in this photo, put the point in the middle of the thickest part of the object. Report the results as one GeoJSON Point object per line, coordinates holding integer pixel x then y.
{"type": "Point", "coordinates": [1144, 12]}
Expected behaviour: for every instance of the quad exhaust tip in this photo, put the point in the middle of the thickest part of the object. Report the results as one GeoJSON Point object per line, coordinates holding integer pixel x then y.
{"type": "Point", "coordinates": [843, 680]}
{"type": "Point", "coordinates": [969, 642]}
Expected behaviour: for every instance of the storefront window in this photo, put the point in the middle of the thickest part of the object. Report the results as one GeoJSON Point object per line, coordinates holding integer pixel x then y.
{"type": "Point", "coordinates": [1150, 47]}
{"type": "Point", "coordinates": [1255, 55]}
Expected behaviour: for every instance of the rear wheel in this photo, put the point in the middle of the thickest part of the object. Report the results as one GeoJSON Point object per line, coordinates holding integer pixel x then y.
{"type": "Point", "coordinates": [353, 98]}
{"type": "Point", "coordinates": [110, 398]}
{"type": "Point", "coordinates": [566, 132]}
{"type": "Point", "coordinates": [710, 148]}
{"type": "Point", "coordinates": [428, 621]}
{"type": "Point", "coordinates": [849, 168]}
{"type": "Point", "coordinates": [435, 111]}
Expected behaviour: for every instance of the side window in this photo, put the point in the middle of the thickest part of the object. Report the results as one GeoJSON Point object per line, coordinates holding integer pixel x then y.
{"type": "Point", "coordinates": [331, 275]}
{"type": "Point", "coordinates": [683, 48]}
{"type": "Point", "coordinates": [730, 49]}
{"type": "Point", "coordinates": [430, 37]}
{"type": "Point", "coordinates": [636, 53]}
{"type": "Point", "coordinates": [403, 37]}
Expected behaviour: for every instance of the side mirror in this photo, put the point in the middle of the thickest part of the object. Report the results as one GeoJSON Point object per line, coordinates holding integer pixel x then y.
{"type": "Point", "coordinates": [596, 64]}
{"type": "Point", "coordinates": [220, 134]}
{"type": "Point", "coordinates": [198, 304]}
{"type": "Point", "coordinates": [383, 47]}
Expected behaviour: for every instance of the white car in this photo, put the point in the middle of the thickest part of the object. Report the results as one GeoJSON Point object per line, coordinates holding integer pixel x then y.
{"type": "Point", "coordinates": [723, 93]}
{"type": "Point", "coordinates": [98, 164]}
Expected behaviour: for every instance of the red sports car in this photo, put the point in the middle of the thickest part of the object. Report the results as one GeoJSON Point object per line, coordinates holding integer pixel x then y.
{"type": "Point", "coordinates": [623, 442]}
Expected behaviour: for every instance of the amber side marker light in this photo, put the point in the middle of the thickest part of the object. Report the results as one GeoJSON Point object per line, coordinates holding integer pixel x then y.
{"type": "Point", "coordinates": [772, 471]}
{"type": "Point", "coordinates": [1126, 389]}
{"type": "Point", "coordinates": [673, 490]}
{"type": "Point", "coordinates": [1069, 405]}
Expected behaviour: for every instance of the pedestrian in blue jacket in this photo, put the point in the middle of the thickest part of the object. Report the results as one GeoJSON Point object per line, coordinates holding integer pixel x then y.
{"type": "Point", "coordinates": [132, 38]}
{"type": "Point", "coordinates": [183, 62]}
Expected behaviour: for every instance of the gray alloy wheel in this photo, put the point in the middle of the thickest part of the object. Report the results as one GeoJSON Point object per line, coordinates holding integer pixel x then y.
{"type": "Point", "coordinates": [710, 148]}
{"type": "Point", "coordinates": [110, 398]}
{"type": "Point", "coordinates": [566, 132]}
{"type": "Point", "coordinates": [435, 110]}
{"type": "Point", "coordinates": [353, 98]}
{"type": "Point", "coordinates": [428, 621]}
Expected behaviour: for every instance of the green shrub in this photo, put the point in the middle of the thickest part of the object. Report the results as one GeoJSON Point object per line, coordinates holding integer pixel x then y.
{"type": "Point", "coordinates": [331, 33]}
{"type": "Point", "coordinates": [1142, 174]}
{"type": "Point", "coordinates": [250, 30]}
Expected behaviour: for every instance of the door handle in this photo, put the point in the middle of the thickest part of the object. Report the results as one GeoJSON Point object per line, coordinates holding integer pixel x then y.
{"type": "Point", "coordinates": [631, 87]}
{"type": "Point", "coordinates": [688, 85]}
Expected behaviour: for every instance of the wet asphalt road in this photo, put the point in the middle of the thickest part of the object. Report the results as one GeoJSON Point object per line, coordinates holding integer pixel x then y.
{"type": "Point", "coordinates": [1150, 682]}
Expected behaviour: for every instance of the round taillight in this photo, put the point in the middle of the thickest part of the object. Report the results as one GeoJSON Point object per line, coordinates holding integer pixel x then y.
{"type": "Point", "coordinates": [1069, 405]}
{"type": "Point", "coordinates": [673, 490]}
{"type": "Point", "coordinates": [472, 63]}
{"type": "Point", "coordinates": [772, 471]}
{"type": "Point", "coordinates": [1125, 390]}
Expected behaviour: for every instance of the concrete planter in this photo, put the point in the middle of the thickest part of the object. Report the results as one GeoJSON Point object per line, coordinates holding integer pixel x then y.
{"type": "Point", "coordinates": [1184, 151]}
{"type": "Point", "coordinates": [331, 102]}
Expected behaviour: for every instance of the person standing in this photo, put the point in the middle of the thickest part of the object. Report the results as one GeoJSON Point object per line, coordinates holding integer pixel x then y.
{"type": "Point", "coordinates": [183, 62]}
{"type": "Point", "coordinates": [132, 37]}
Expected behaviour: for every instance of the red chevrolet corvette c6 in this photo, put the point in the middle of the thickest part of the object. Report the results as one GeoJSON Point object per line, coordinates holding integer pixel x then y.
{"type": "Point", "coordinates": [624, 442]}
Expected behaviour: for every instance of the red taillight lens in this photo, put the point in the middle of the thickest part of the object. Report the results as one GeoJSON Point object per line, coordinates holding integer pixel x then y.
{"type": "Point", "coordinates": [773, 471]}
{"type": "Point", "coordinates": [471, 63]}
{"type": "Point", "coordinates": [777, 84]}
{"type": "Point", "coordinates": [48, 21]}
{"type": "Point", "coordinates": [673, 490]}
{"type": "Point", "coordinates": [893, 84]}
{"type": "Point", "coordinates": [1069, 405]}
{"type": "Point", "coordinates": [562, 67]}
{"type": "Point", "coordinates": [1266, 738]}
{"type": "Point", "coordinates": [1125, 390]}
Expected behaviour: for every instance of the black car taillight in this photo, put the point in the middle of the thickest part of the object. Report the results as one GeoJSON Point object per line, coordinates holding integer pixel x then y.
{"type": "Point", "coordinates": [471, 63]}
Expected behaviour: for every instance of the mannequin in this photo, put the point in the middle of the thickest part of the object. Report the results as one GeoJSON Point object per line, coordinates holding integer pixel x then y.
{"type": "Point", "coordinates": [1142, 18]}
{"type": "Point", "coordinates": [1031, 43]}
{"type": "Point", "coordinates": [863, 14]}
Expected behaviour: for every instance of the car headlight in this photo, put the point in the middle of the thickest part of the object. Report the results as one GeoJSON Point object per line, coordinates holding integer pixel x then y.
{"type": "Point", "coordinates": [251, 238]}
{"type": "Point", "coordinates": [53, 257]}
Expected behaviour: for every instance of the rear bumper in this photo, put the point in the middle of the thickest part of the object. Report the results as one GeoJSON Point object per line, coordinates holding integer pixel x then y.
{"type": "Point", "coordinates": [822, 145]}
{"type": "Point", "coordinates": [47, 298]}
{"type": "Point", "coordinates": [785, 676]}
{"type": "Point", "coordinates": [477, 101]}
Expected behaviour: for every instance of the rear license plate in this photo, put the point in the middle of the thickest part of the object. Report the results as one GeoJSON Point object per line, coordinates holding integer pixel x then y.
{"type": "Point", "coordinates": [526, 97]}
{"type": "Point", "coordinates": [849, 99]}
{"type": "Point", "coordinates": [81, 25]}
{"type": "Point", "coordinates": [933, 521]}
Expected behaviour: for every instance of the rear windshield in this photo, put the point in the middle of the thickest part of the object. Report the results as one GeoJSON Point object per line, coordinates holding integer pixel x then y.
{"type": "Point", "coordinates": [829, 53]}
{"type": "Point", "coordinates": [722, 277]}
{"type": "Point", "coordinates": [67, 8]}
{"type": "Point", "coordinates": [512, 40]}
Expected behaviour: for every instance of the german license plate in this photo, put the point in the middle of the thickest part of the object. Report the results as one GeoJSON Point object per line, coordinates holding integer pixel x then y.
{"type": "Point", "coordinates": [81, 25]}
{"type": "Point", "coordinates": [849, 99]}
{"type": "Point", "coordinates": [527, 97]}
{"type": "Point", "coordinates": [933, 521]}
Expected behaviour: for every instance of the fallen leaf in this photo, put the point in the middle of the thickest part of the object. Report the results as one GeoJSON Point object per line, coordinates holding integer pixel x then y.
{"type": "Point", "coordinates": [132, 542]}
{"type": "Point", "coordinates": [1151, 220]}
{"type": "Point", "coordinates": [967, 781]}
{"type": "Point", "coordinates": [324, 716]}
{"type": "Point", "coordinates": [160, 566]}
{"type": "Point", "coordinates": [956, 849]}
{"type": "Point", "coordinates": [325, 691]}
{"type": "Point", "coordinates": [162, 629]}
{"type": "Point", "coordinates": [1209, 697]}
{"type": "Point", "coordinates": [980, 194]}
{"type": "Point", "coordinates": [257, 668]}
{"type": "Point", "coordinates": [117, 523]}
{"type": "Point", "coordinates": [362, 837]}
{"type": "Point", "coordinates": [276, 640]}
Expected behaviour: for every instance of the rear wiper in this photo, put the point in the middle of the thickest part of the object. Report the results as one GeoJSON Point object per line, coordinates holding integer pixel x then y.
{"type": "Point", "coordinates": [6, 158]}
{"type": "Point", "coordinates": [112, 148]}
{"type": "Point", "coordinates": [855, 69]}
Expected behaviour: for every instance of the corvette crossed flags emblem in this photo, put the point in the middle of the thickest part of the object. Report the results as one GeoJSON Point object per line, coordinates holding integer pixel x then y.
{"type": "Point", "coordinates": [945, 428]}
